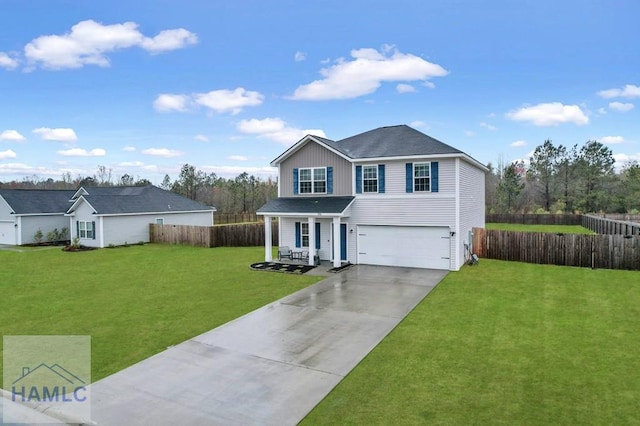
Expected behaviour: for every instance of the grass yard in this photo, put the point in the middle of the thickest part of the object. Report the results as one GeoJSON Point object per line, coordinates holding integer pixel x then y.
{"type": "Point", "coordinates": [134, 301]}
{"type": "Point", "coordinates": [565, 229]}
{"type": "Point", "coordinates": [504, 343]}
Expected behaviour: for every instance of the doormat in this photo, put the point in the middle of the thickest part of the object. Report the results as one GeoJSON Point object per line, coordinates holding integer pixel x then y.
{"type": "Point", "coordinates": [281, 267]}
{"type": "Point", "coordinates": [341, 267]}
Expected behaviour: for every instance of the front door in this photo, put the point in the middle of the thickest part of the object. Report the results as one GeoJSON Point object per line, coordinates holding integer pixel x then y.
{"type": "Point", "coordinates": [343, 242]}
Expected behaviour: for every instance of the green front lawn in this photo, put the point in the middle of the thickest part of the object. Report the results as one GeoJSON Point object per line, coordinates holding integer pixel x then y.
{"type": "Point", "coordinates": [134, 301]}
{"type": "Point", "coordinates": [565, 229]}
{"type": "Point", "coordinates": [504, 343]}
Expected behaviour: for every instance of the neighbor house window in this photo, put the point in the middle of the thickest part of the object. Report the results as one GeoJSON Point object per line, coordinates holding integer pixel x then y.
{"type": "Point", "coordinates": [160, 221]}
{"type": "Point", "coordinates": [370, 178]}
{"type": "Point", "coordinates": [421, 177]}
{"type": "Point", "coordinates": [304, 233]}
{"type": "Point", "coordinates": [313, 180]}
{"type": "Point", "coordinates": [85, 229]}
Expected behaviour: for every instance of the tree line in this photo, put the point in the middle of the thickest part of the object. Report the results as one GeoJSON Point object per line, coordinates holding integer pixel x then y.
{"type": "Point", "coordinates": [561, 179]}
{"type": "Point", "coordinates": [243, 194]}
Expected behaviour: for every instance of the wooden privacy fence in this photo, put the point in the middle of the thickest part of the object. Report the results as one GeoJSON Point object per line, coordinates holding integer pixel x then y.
{"type": "Point", "coordinates": [610, 226]}
{"type": "Point", "coordinates": [535, 219]}
{"type": "Point", "coordinates": [593, 251]}
{"type": "Point", "coordinates": [225, 218]}
{"type": "Point", "coordinates": [241, 235]}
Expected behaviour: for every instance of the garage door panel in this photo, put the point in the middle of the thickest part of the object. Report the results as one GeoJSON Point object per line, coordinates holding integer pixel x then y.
{"type": "Point", "coordinates": [7, 233]}
{"type": "Point", "coordinates": [409, 246]}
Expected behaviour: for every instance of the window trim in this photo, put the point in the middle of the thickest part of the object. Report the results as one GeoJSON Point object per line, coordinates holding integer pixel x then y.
{"type": "Point", "coordinates": [303, 235]}
{"type": "Point", "coordinates": [159, 220]}
{"type": "Point", "coordinates": [88, 230]}
{"type": "Point", "coordinates": [313, 180]}
{"type": "Point", "coordinates": [414, 177]}
{"type": "Point", "coordinates": [375, 167]}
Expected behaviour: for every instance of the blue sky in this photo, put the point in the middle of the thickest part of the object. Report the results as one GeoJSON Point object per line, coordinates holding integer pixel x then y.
{"type": "Point", "coordinates": [144, 87]}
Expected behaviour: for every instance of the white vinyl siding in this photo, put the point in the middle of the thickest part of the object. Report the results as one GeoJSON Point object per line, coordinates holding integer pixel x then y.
{"type": "Point", "coordinates": [395, 181]}
{"type": "Point", "coordinates": [29, 225]}
{"type": "Point", "coordinates": [472, 203]}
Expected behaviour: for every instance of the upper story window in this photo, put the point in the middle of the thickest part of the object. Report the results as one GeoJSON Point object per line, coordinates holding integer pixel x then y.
{"type": "Point", "coordinates": [422, 177]}
{"type": "Point", "coordinates": [313, 180]}
{"type": "Point", "coordinates": [370, 178]}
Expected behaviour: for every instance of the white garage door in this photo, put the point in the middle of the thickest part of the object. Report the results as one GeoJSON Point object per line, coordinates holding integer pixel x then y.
{"type": "Point", "coordinates": [410, 246]}
{"type": "Point", "coordinates": [7, 233]}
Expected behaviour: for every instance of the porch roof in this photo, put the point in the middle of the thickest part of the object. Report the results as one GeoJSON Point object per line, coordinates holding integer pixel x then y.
{"type": "Point", "coordinates": [306, 206]}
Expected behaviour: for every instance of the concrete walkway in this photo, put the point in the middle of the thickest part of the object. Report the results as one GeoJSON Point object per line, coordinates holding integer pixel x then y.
{"type": "Point", "coordinates": [271, 366]}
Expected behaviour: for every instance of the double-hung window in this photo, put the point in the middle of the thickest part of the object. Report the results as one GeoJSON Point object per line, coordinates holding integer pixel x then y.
{"type": "Point", "coordinates": [421, 177]}
{"type": "Point", "coordinates": [370, 178]}
{"type": "Point", "coordinates": [304, 233]}
{"type": "Point", "coordinates": [313, 180]}
{"type": "Point", "coordinates": [85, 229]}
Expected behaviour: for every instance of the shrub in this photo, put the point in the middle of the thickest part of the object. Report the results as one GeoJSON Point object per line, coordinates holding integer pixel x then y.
{"type": "Point", "coordinates": [64, 234]}
{"type": "Point", "coordinates": [76, 242]}
{"type": "Point", "coordinates": [53, 236]}
{"type": "Point", "coordinates": [38, 236]}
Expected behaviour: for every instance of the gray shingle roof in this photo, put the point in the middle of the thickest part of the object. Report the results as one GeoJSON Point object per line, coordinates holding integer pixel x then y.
{"type": "Point", "coordinates": [392, 141]}
{"type": "Point", "coordinates": [34, 201]}
{"type": "Point", "coordinates": [139, 199]}
{"type": "Point", "coordinates": [304, 205]}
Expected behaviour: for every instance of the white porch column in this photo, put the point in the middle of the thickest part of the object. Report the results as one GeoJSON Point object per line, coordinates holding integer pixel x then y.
{"type": "Point", "coordinates": [312, 240]}
{"type": "Point", "coordinates": [337, 256]}
{"type": "Point", "coordinates": [268, 254]}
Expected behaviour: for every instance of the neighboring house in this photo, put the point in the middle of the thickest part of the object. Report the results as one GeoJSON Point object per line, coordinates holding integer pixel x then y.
{"type": "Point", "coordinates": [99, 216]}
{"type": "Point", "coordinates": [104, 216]}
{"type": "Point", "coordinates": [390, 196]}
{"type": "Point", "coordinates": [25, 211]}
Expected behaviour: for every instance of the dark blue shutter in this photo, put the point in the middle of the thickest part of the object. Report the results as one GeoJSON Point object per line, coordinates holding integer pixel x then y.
{"type": "Point", "coordinates": [317, 236]}
{"type": "Point", "coordinates": [295, 181]}
{"type": "Point", "coordinates": [358, 179]}
{"type": "Point", "coordinates": [298, 235]}
{"type": "Point", "coordinates": [93, 227]}
{"type": "Point", "coordinates": [329, 180]}
{"type": "Point", "coordinates": [381, 178]}
{"type": "Point", "coordinates": [409, 167]}
{"type": "Point", "coordinates": [434, 176]}
{"type": "Point", "coordinates": [78, 228]}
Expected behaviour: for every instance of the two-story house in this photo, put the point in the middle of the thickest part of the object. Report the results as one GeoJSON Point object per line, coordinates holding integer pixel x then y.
{"type": "Point", "coordinates": [390, 196]}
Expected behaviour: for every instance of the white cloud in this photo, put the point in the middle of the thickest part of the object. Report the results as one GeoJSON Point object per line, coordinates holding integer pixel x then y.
{"type": "Point", "coordinates": [365, 73]}
{"type": "Point", "coordinates": [276, 129]}
{"type": "Point", "coordinates": [429, 84]}
{"type": "Point", "coordinates": [11, 135]}
{"type": "Point", "coordinates": [518, 144]}
{"type": "Point", "coordinates": [232, 101]}
{"type": "Point", "coordinates": [237, 158]}
{"type": "Point", "coordinates": [166, 102]}
{"type": "Point", "coordinates": [405, 88]}
{"type": "Point", "coordinates": [27, 170]}
{"type": "Point", "coordinates": [469, 133]}
{"type": "Point", "coordinates": [622, 159]}
{"type": "Point", "coordinates": [628, 91]}
{"type": "Point", "coordinates": [79, 152]}
{"type": "Point", "coordinates": [201, 138]}
{"type": "Point", "coordinates": [488, 126]}
{"type": "Point", "coordinates": [602, 111]}
{"type": "Point", "coordinates": [621, 106]}
{"type": "Point", "coordinates": [420, 124]}
{"type": "Point", "coordinates": [8, 62]}
{"type": "Point", "coordinates": [88, 42]}
{"type": "Point", "coordinates": [299, 56]}
{"type": "Point", "coordinates": [549, 114]}
{"type": "Point", "coordinates": [611, 139]}
{"type": "Point", "coordinates": [131, 164]}
{"type": "Point", "coordinates": [129, 149]}
{"type": "Point", "coordinates": [162, 152]}
{"type": "Point", "coordinates": [59, 134]}
{"type": "Point", "coordinates": [7, 154]}
{"type": "Point", "coordinates": [168, 40]}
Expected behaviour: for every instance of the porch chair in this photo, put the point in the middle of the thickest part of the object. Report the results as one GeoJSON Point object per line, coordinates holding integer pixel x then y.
{"type": "Point", "coordinates": [285, 252]}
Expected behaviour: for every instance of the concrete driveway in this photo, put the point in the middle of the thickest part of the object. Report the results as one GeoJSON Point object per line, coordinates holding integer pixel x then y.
{"type": "Point", "coordinates": [271, 366]}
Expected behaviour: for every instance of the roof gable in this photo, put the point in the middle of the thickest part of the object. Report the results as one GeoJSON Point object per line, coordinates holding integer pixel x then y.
{"type": "Point", "coordinates": [324, 142]}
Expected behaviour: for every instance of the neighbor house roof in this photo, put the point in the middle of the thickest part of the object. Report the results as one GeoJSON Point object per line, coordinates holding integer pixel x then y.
{"type": "Point", "coordinates": [136, 199]}
{"type": "Point", "coordinates": [306, 205]}
{"type": "Point", "coordinates": [37, 201]}
{"type": "Point", "coordinates": [383, 142]}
